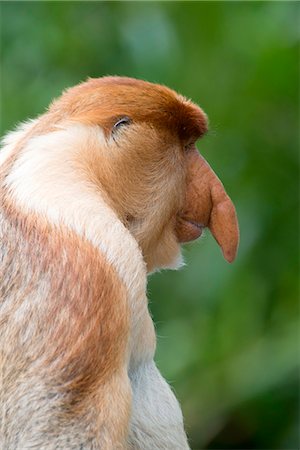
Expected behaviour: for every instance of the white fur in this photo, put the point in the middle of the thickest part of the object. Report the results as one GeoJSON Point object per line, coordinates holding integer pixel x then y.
{"type": "Point", "coordinates": [156, 422]}
{"type": "Point", "coordinates": [11, 139]}
{"type": "Point", "coordinates": [44, 180]}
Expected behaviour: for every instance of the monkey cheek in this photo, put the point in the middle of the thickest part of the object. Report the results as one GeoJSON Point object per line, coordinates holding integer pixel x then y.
{"type": "Point", "coordinates": [188, 230]}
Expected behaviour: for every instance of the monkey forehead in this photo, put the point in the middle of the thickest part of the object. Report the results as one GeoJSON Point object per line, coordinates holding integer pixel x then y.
{"type": "Point", "coordinates": [101, 100]}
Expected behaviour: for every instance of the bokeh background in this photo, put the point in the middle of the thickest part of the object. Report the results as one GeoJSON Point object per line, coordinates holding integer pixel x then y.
{"type": "Point", "coordinates": [228, 334]}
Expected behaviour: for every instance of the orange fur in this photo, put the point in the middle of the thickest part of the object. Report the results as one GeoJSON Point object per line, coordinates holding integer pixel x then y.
{"type": "Point", "coordinates": [77, 340]}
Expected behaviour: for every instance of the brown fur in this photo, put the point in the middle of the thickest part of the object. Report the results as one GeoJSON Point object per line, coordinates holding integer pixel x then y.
{"type": "Point", "coordinates": [163, 124]}
{"type": "Point", "coordinates": [79, 324]}
{"type": "Point", "coordinates": [67, 321]}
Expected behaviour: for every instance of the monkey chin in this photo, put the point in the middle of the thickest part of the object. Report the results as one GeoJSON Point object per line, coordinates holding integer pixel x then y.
{"type": "Point", "coordinates": [167, 255]}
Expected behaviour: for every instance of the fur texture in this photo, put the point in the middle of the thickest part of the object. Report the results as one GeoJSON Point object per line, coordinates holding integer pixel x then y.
{"type": "Point", "coordinates": [88, 207]}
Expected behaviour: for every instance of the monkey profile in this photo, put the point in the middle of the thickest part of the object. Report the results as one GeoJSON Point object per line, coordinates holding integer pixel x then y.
{"type": "Point", "coordinates": [98, 191]}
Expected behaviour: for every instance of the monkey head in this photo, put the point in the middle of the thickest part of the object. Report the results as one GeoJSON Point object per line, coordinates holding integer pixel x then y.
{"type": "Point", "coordinates": [146, 164]}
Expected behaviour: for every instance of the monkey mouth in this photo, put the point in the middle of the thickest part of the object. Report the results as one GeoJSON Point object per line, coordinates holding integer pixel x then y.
{"type": "Point", "coordinates": [188, 230]}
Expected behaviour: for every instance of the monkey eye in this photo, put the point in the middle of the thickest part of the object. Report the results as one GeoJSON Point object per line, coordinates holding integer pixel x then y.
{"type": "Point", "coordinates": [121, 122]}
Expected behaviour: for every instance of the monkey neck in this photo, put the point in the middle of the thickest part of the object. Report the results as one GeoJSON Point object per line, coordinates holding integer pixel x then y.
{"type": "Point", "coordinates": [45, 181]}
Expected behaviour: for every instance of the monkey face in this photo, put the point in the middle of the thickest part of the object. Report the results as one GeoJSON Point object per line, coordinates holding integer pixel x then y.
{"type": "Point", "coordinates": [165, 192]}
{"type": "Point", "coordinates": [146, 165]}
{"type": "Point", "coordinates": [183, 194]}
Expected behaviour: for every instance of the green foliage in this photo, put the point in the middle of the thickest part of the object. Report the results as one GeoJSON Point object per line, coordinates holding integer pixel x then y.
{"type": "Point", "coordinates": [228, 334]}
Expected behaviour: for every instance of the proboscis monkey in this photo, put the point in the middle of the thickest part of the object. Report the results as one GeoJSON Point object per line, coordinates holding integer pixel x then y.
{"type": "Point", "coordinates": [95, 193]}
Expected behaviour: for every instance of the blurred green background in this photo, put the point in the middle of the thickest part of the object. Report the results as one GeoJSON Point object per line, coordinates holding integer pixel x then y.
{"type": "Point", "coordinates": [228, 334]}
